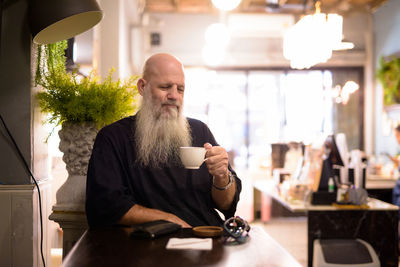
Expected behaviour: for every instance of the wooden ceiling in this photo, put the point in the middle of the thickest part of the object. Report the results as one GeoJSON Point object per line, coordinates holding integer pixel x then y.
{"type": "Point", "coordinates": [343, 7]}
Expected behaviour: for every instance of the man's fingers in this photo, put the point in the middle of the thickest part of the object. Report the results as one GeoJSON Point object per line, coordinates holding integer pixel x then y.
{"type": "Point", "coordinates": [218, 164]}
{"type": "Point", "coordinates": [207, 146]}
{"type": "Point", "coordinates": [216, 160]}
{"type": "Point", "coordinates": [218, 168]}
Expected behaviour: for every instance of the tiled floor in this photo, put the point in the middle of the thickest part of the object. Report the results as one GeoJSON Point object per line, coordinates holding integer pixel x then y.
{"type": "Point", "coordinates": [291, 233]}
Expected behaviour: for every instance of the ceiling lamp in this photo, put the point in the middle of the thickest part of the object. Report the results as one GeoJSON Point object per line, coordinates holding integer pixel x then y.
{"type": "Point", "coordinates": [217, 38]}
{"type": "Point", "coordinates": [226, 5]}
{"type": "Point", "coordinates": [217, 34]}
{"type": "Point", "coordinates": [311, 40]}
{"type": "Point", "coordinates": [53, 21]}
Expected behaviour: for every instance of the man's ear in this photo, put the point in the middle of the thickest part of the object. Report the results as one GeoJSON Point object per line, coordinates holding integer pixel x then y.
{"type": "Point", "coordinates": [140, 86]}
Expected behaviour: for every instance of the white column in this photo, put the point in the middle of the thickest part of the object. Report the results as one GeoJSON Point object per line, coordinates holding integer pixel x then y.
{"type": "Point", "coordinates": [369, 90]}
{"type": "Point", "coordinates": [107, 37]}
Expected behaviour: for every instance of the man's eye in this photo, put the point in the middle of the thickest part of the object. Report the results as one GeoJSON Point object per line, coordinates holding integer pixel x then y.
{"type": "Point", "coordinates": [181, 89]}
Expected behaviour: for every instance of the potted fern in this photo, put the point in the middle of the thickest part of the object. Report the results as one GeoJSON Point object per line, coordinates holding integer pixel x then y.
{"type": "Point", "coordinates": [81, 105]}
{"type": "Point", "coordinates": [68, 97]}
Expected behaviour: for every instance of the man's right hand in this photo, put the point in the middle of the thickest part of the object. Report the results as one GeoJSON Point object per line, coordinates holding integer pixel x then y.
{"type": "Point", "coordinates": [175, 219]}
{"type": "Point", "coordinates": [138, 214]}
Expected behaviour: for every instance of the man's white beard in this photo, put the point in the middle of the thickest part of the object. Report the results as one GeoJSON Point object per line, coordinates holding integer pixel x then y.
{"type": "Point", "coordinates": [158, 135]}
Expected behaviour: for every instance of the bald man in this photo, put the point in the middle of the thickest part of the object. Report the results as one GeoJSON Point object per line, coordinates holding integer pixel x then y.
{"type": "Point", "coordinates": [135, 174]}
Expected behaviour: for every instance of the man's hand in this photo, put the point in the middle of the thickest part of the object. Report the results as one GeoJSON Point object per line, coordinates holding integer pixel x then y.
{"type": "Point", "coordinates": [139, 214]}
{"type": "Point", "coordinates": [177, 220]}
{"type": "Point", "coordinates": [217, 162]}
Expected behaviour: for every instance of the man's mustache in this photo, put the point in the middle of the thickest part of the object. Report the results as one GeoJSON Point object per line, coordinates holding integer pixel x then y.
{"type": "Point", "coordinates": [173, 103]}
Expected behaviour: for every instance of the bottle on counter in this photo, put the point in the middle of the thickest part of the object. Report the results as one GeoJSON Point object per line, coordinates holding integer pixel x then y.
{"type": "Point", "coordinates": [331, 185]}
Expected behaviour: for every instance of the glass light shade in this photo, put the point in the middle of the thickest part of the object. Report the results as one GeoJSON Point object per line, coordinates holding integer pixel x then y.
{"type": "Point", "coordinates": [213, 55]}
{"type": "Point", "coordinates": [321, 42]}
{"type": "Point", "coordinates": [344, 46]}
{"type": "Point", "coordinates": [306, 43]}
{"type": "Point", "coordinates": [311, 40]}
{"type": "Point", "coordinates": [334, 25]}
{"type": "Point", "coordinates": [226, 5]}
{"type": "Point", "coordinates": [56, 20]}
{"type": "Point", "coordinates": [217, 34]}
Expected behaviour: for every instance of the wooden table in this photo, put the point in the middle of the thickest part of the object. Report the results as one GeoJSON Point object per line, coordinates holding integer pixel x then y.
{"type": "Point", "coordinates": [114, 247]}
{"type": "Point", "coordinates": [376, 224]}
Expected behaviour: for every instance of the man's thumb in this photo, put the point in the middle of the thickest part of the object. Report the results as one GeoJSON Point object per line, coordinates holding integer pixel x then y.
{"type": "Point", "coordinates": [207, 146]}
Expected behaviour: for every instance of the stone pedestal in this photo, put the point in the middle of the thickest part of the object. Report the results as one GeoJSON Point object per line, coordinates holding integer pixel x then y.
{"type": "Point", "coordinates": [73, 224]}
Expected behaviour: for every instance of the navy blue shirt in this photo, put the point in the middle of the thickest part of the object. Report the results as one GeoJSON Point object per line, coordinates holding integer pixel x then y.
{"type": "Point", "coordinates": [115, 182]}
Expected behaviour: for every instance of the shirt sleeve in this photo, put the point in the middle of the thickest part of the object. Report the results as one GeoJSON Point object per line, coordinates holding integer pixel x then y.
{"type": "Point", "coordinates": [106, 197]}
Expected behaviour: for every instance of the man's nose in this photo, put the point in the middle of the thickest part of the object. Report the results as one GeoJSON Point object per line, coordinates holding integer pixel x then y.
{"type": "Point", "coordinates": [173, 92]}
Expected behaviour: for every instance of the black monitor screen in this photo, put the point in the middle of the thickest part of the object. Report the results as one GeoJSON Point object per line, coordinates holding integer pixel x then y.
{"type": "Point", "coordinates": [333, 158]}
{"type": "Point", "coordinates": [330, 145]}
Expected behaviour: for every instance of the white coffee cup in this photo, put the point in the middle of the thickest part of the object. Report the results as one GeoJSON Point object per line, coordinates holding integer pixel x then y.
{"type": "Point", "coordinates": [192, 157]}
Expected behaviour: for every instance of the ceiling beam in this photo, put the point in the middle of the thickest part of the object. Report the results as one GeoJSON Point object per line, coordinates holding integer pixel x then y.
{"type": "Point", "coordinates": [343, 7]}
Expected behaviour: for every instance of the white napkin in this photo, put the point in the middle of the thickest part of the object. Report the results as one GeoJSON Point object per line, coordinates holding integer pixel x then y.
{"type": "Point", "coordinates": [190, 243]}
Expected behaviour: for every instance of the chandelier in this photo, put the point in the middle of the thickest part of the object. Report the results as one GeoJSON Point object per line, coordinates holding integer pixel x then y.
{"type": "Point", "coordinates": [311, 40]}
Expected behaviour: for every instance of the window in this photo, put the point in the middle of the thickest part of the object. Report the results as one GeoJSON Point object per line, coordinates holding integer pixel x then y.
{"type": "Point", "coordinates": [248, 110]}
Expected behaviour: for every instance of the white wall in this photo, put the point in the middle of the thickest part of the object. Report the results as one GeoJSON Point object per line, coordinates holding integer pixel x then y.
{"type": "Point", "coordinates": [181, 34]}
{"type": "Point", "coordinates": [108, 38]}
{"type": "Point", "coordinates": [112, 38]}
{"type": "Point", "coordinates": [387, 42]}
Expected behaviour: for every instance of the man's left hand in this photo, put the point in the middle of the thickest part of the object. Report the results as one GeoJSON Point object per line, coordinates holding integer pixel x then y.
{"type": "Point", "coordinates": [217, 161]}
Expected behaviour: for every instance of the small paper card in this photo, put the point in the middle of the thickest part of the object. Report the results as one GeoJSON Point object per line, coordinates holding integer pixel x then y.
{"type": "Point", "coordinates": [190, 243]}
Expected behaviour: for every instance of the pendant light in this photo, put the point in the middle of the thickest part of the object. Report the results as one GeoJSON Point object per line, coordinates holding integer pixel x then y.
{"type": "Point", "coordinates": [56, 20]}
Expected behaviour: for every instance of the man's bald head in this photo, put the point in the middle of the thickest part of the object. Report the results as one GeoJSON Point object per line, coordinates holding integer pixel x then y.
{"type": "Point", "coordinates": [158, 63]}
{"type": "Point", "coordinates": [163, 71]}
